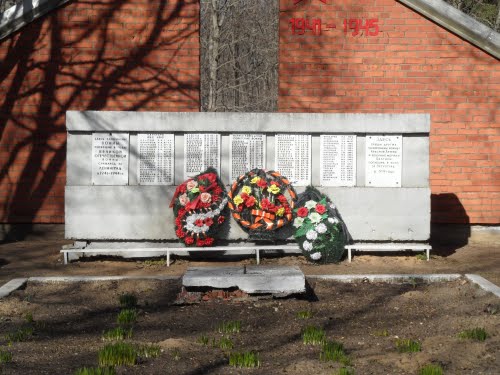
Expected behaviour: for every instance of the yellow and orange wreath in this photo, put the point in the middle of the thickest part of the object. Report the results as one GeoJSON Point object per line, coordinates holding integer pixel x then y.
{"type": "Point", "coordinates": [262, 202]}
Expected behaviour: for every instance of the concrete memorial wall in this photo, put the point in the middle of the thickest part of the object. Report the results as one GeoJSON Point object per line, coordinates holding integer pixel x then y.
{"type": "Point", "coordinates": [123, 167]}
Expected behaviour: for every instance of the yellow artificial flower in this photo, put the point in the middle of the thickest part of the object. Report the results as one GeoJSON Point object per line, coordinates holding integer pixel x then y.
{"type": "Point", "coordinates": [238, 200]}
{"type": "Point", "coordinates": [273, 189]}
{"type": "Point", "coordinates": [280, 211]}
{"type": "Point", "coordinates": [255, 180]}
{"type": "Point", "coordinates": [246, 189]}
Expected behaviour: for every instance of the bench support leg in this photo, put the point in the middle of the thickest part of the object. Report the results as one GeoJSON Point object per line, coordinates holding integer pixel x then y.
{"type": "Point", "coordinates": [349, 255]}
{"type": "Point", "coordinates": [257, 255]}
{"type": "Point", "coordinates": [168, 258]}
{"type": "Point", "coordinates": [65, 257]}
{"type": "Point", "coordinates": [428, 251]}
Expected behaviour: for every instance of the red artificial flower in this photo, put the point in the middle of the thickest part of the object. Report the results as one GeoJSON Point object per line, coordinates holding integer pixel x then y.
{"type": "Point", "coordinates": [189, 240]}
{"type": "Point", "coordinates": [178, 221]}
{"type": "Point", "coordinates": [202, 188]}
{"type": "Point", "coordinates": [288, 210]}
{"type": "Point", "coordinates": [182, 188]}
{"type": "Point", "coordinates": [262, 183]}
{"type": "Point", "coordinates": [320, 209]}
{"type": "Point", "coordinates": [244, 196]}
{"type": "Point", "coordinates": [200, 242]}
{"type": "Point", "coordinates": [221, 219]}
{"type": "Point", "coordinates": [302, 212]}
{"type": "Point", "coordinates": [272, 208]}
{"type": "Point", "coordinates": [217, 190]}
{"type": "Point", "coordinates": [180, 233]}
{"type": "Point", "coordinates": [209, 241]}
{"type": "Point", "coordinates": [181, 212]}
{"type": "Point", "coordinates": [265, 204]}
{"type": "Point", "coordinates": [250, 202]}
{"type": "Point", "coordinates": [198, 223]}
{"type": "Point", "coordinates": [208, 221]}
{"type": "Point", "coordinates": [282, 199]}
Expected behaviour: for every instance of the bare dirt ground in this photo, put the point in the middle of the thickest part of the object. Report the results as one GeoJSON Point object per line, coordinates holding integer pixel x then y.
{"type": "Point", "coordinates": [69, 320]}
{"type": "Point", "coordinates": [481, 255]}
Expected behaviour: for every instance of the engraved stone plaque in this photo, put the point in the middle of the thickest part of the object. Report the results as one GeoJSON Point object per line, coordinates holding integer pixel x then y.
{"type": "Point", "coordinates": [156, 159]}
{"type": "Point", "coordinates": [247, 151]}
{"type": "Point", "coordinates": [338, 160]}
{"type": "Point", "coordinates": [201, 150]}
{"type": "Point", "coordinates": [384, 156]}
{"type": "Point", "coordinates": [110, 158]}
{"type": "Point", "coordinates": [293, 157]}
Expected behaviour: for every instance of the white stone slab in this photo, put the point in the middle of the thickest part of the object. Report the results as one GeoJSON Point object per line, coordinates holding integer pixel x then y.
{"type": "Point", "coordinates": [384, 160]}
{"type": "Point", "coordinates": [201, 150]}
{"type": "Point", "coordinates": [337, 160]}
{"type": "Point", "coordinates": [110, 155]}
{"type": "Point", "coordinates": [293, 157]}
{"type": "Point", "coordinates": [11, 286]}
{"type": "Point", "coordinates": [246, 152]}
{"type": "Point", "coordinates": [156, 158]}
{"type": "Point", "coordinates": [252, 279]}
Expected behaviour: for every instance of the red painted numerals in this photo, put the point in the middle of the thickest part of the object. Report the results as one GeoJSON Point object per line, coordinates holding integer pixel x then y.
{"type": "Point", "coordinates": [356, 25]}
{"type": "Point", "coordinates": [300, 25]}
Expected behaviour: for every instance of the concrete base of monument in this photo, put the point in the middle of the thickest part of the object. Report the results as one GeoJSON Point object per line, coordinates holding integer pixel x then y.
{"type": "Point", "coordinates": [281, 281]}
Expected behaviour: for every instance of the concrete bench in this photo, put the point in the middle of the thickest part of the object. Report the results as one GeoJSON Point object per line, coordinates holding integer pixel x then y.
{"type": "Point", "coordinates": [143, 252]}
{"type": "Point", "coordinates": [387, 247]}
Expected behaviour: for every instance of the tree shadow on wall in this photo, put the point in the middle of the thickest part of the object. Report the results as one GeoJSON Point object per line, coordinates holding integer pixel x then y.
{"type": "Point", "coordinates": [110, 55]}
{"type": "Point", "coordinates": [450, 229]}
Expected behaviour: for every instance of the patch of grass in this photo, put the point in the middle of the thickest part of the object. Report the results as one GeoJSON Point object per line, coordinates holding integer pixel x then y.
{"type": "Point", "coordinates": [345, 371]}
{"type": "Point", "coordinates": [334, 351]}
{"type": "Point", "coordinates": [128, 301]}
{"type": "Point", "coordinates": [312, 335]}
{"type": "Point", "coordinates": [431, 370]}
{"type": "Point", "coordinates": [203, 340]}
{"type": "Point", "coordinates": [117, 334]}
{"type": "Point", "coordinates": [244, 359]}
{"type": "Point", "coordinates": [229, 327]}
{"type": "Point", "coordinates": [28, 317]}
{"type": "Point", "coordinates": [127, 317]}
{"type": "Point", "coordinates": [421, 256]}
{"type": "Point", "coordinates": [148, 351]}
{"type": "Point", "coordinates": [224, 343]}
{"type": "Point", "coordinates": [22, 334]}
{"type": "Point", "coordinates": [478, 334]}
{"type": "Point", "coordinates": [382, 333]}
{"type": "Point", "coordinates": [156, 262]}
{"type": "Point", "coordinates": [176, 355]}
{"type": "Point", "coordinates": [96, 371]}
{"type": "Point", "coordinates": [118, 354]}
{"type": "Point", "coordinates": [306, 314]}
{"type": "Point", "coordinates": [5, 356]}
{"type": "Point", "coordinates": [408, 346]}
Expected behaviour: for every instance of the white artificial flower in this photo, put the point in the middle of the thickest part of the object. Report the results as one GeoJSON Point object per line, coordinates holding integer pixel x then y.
{"type": "Point", "coordinates": [332, 206]}
{"type": "Point", "coordinates": [333, 220]}
{"type": "Point", "coordinates": [321, 228]}
{"type": "Point", "coordinates": [307, 246]}
{"type": "Point", "coordinates": [297, 223]}
{"type": "Point", "coordinates": [310, 204]}
{"type": "Point", "coordinates": [316, 256]}
{"type": "Point", "coordinates": [314, 217]}
{"type": "Point", "coordinates": [311, 235]}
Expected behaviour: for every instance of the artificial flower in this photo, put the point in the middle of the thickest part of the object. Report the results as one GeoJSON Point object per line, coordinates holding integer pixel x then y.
{"type": "Point", "coordinates": [209, 221]}
{"type": "Point", "coordinates": [262, 183]}
{"type": "Point", "coordinates": [255, 180]}
{"type": "Point", "coordinates": [199, 223]}
{"type": "Point", "coordinates": [280, 211]}
{"type": "Point", "coordinates": [195, 190]}
{"type": "Point", "coordinates": [191, 184]}
{"type": "Point", "coordinates": [321, 228]}
{"type": "Point", "coordinates": [189, 240]}
{"type": "Point", "coordinates": [320, 209]}
{"type": "Point", "coordinates": [183, 199]}
{"type": "Point", "coordinates": [265, 203]}
{"type": "Point", "coordinates": [316, 256]}
{"type": "Point", "coordinates": [302, 212]}
{"type": "Point", "coordinates": [246, 189]}
{"type": "Point", "coordinates": [333, 220]}
{"type": "Point", "coordinates": [297, 223]}
{"type": "Point", "coordinates": [221, 219]}
{"type": "Point", "coordinates": [307, 246]}
{"type": "Point", "coordinates": [238, 200]}
{"type": "Point", "coordinates": [250, 202]}
{"type": "Point", "coordinates": [273, 189]}
{"type": "Point", "coordinates": [311, 235]}
{"type": "Point", "coordinates": [205, 197]}
{"type": "Point", "coordinates": [315, 217]}
{"type": "Point", "coordinates": [310, 204]}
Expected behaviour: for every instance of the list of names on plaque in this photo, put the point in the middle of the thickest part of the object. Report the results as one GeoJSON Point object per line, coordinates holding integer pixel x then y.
{"type": "Point", "coordinates": [110, 158]}
{"type": "Point", "coordinates": [384, 155]}
{"type": "Point", "coordinates": [247, 151]}
{"type": "Point", "coordinates": [156, 159]}
{"type": "Point", "coordinates": [338, 160]}
{"type": "Point", "coordinates": [201, 150]}
{"type": "Point", "coordinates": [293, 157]}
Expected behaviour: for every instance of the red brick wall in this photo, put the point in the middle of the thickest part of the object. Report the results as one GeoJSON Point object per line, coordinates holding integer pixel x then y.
{"type": "Point", "coordinates": [104, 55]}
{"type": "Point", "coordinates": [412, 66]}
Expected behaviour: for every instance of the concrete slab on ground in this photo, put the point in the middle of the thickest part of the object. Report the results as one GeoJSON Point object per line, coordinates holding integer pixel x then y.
{"type": "Point", "coordinates": [250, 279]}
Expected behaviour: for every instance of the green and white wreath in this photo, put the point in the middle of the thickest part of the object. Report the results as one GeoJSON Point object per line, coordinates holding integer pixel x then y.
{"type": "Point", "coordinates": [320, 232]}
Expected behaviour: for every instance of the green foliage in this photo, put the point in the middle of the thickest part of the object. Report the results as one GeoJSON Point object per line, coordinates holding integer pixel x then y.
{"type": "Point", "coordinates": [96, 371]}
{"type": "Point", "coordinates": [128, 301]}
{"type": "Point", "coordinates": [408, 346]}
{"type": "Point", "coordinates": [224, 343]}
{"type": "Point", "coordinates": [117, 334]}
{"type": "Point", "coordinates": [156, 262]}
{"type": "Point", "coordinates": [203, 340]}
{"type": "Point", "coordinates": [478, 334]}
{"type": "Point", "coordinates": [229, 327]}
{"type": "Point", "coordinates": [176, 355]}
{"type": "Point", "coordinates": [421, 256]}
{"type": "Point", "coordinates": [345, 371]}
{"type": "Point", "coordinates": [382, 333]}
{"type": "Point", "coordinates": [312, 335]}
{"type": "Point", "coordinates": [5, 356]}
{"type": "Point", "coordinates": [28, 317]}
{"type": "Point", "coordinates": [306, 314]}
{"type": "Point", "coordinates": [334, 351]}
{"type": "Point", "coordinates": [484, 11]}
{"type": "Point", "coordinates": [148, 351]}
{"type": "Point", "coordinates": [244, 359]}
{"type": "Point", "coordinates": [431, 370]}
{"type": "Point", "coordinates": [118, 354]}
{"type": "Point", "coordinates": [22, 334]}
{"type": "Point", "coordinates": [127, 317]}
